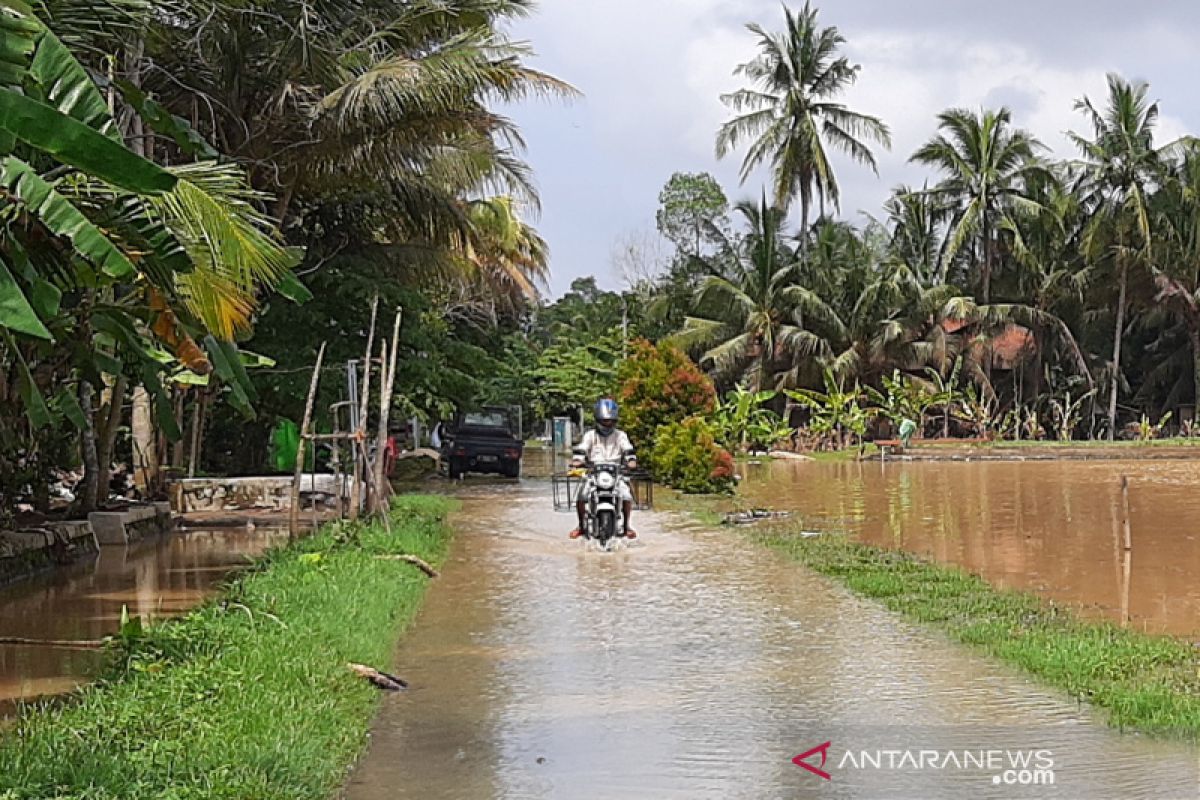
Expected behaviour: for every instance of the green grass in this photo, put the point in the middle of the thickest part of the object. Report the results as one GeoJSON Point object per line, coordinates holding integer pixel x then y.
{"type": "Point", "coordinates": [1150, 683]}
{"type": "Point", "coordinates": [248, 696]}
{"type": "Point", "coordinates": [1051, 444]}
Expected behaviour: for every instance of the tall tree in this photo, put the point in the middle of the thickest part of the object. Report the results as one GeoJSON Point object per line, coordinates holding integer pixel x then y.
{"type": "Point", "coordinates": [986, 164]}
{"type": "Point", "coordinates": [791, 116]}
{"type": "Point", "coordinates": [751, 314]}
{"type": "Point", "coordinates": [1122, 167]}
{"type": "Point", "coordinates": [688, 206]}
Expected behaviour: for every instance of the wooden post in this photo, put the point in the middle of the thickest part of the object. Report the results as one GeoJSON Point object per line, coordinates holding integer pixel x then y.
{"type": "Point", "coordinates": [1125, 510]}
{"type": "Point", "coordinates": [360, 431]}
{"type": "Point", "coordinates": [294, 511]}
{"type": "Point", "coordinates": [387, 382]}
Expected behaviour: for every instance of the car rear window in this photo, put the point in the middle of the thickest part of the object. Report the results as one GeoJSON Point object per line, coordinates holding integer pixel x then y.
{"type": "Point", "coordinates": [486, 419]}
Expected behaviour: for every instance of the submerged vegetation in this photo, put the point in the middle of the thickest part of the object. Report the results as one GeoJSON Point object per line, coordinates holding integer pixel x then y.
{"type": "Point", "coordinates": [1149, 683]}
{"type": "Point", "coordinates": [250, 695]}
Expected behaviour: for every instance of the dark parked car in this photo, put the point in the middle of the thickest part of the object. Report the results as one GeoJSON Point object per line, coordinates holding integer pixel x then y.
{"type": "Point", "coordinates": [483, 441]}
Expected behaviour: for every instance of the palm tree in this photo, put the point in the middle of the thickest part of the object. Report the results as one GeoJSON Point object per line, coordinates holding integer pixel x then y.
{"type": "Point", "coordinates": [1177, 271]}
{"type": "Point", "coordinates": [1120, 168]}
{"type": "Point", "coordinates": [917, 220]}
{"type": "Point", "coordinates": [986, 164]}
{"type": "Point", "coordinates": [747, 316]}
{"type": "Point", "coordinates": [790, 115]}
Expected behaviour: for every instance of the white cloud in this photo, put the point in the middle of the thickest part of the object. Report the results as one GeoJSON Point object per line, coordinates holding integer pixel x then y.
{"type": "Point", "coordinates": [653, 71]}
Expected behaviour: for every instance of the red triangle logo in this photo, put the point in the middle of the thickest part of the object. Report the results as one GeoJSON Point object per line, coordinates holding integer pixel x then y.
{"type": "Point", "coordinates": [799, 760]}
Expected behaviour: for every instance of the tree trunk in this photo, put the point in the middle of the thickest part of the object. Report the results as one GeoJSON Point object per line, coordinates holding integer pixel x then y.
{"type": "Point", "coordinates": [91, 461]}
{"type": "Point", "coordinates": [1115, 381]}
{"type": "Point", "coordinates": [194, 449]}
{"type": "Point", "coordinates": [145, 443]}
{"type": "Point", "coordinates": [107, 438]}
{"type": "Point", "coordinates": [1194, 335]}
{"type": "Point", "coordinates": [804, 202]}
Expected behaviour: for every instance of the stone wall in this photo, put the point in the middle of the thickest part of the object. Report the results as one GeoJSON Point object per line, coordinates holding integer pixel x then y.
{"type": "Point", "coordinates": [265, 493]}
{"type": "Point", "coordinates": [26, 551]}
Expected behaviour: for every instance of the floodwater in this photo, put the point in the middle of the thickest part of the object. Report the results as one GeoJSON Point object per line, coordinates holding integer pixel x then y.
{"type": "Point", "coordinates": [160, 576]}
{"type": "Point", "coordinates": [1054, 528]}
{"type": "Point", "coordinates": [695, 665]}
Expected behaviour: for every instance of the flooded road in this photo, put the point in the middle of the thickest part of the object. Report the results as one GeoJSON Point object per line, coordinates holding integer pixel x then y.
{"type": "Point", "coordinates": [1054, 528]}
{"type": "Point", "coordinates": [161, 576]}
{"type": "Point", "coordinates": [695, 665]}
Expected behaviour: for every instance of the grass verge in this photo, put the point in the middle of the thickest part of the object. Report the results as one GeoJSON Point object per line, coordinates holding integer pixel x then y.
{"type": "Point", "coordinates": [1150, 683]}
{"type": "Point", "coordinates": [248, 696]}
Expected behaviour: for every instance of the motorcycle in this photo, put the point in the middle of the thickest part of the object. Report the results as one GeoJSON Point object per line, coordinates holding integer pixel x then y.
{"type": "Point", "coordinates": [603, 521]}
{"type": "Point", "coordinates": [604, 515]}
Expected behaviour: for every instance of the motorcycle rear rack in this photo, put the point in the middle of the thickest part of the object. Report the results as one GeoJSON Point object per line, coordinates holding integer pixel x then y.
{"type": "Point", "coordinates": [566, 488]}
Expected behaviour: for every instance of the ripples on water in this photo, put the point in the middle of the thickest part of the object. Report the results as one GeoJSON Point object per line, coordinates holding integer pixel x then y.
{"type": "Point", "coordinates": [162, 576]}
{"type": "Point", "coordinates": [1051, 527]}
{"type": "Point", "coordinates": [696, 666]}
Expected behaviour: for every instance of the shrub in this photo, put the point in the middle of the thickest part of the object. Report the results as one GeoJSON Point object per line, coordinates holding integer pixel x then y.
{"type": "Point", "coordinates": [659, 385]}
{"type": "Point", "coordinates": [687, 457]}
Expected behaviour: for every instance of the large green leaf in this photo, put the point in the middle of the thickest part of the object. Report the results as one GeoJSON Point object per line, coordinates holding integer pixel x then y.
{"type": "Point", "coordinates": [64, 219]}
{"type": "Point", "coordinates": [72, 142]}
{"type": "Point", "coordinates": [18, 36]}
{"type": "Point", "coordinates": [16, 313]}
{"type": "Point", "coordinates": [228, 366]}
{"type": "Point", "coordinates": [291, 288]}
{"type": "Point", "coordinates": [67, 404]}
{"type": "Point", "coordinates": [35, 405]}
{"type": "Point", "coordinates": [67, 86]}
{"type": "Point", "coordinates": [163, 121]}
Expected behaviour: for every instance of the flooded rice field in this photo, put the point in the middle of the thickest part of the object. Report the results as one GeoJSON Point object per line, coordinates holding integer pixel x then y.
{"type": "Point", "coordinates": [695, 665]}
{"type": "Point", "coordinates": [161, 576]}
{"type": "Point", "coordinates": [1055, 528]}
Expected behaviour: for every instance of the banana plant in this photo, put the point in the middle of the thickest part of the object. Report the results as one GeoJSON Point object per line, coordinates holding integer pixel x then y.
{"type": "Point", "coordinates": [836, 412]}
{"type": "Point", "coordinates": [742, 421]}
{"type": "Point", "coordinates": [1067, 413]}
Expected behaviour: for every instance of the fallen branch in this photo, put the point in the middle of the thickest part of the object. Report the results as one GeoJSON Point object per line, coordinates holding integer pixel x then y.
{"type": "Point", "coordinates": [380, 679]}
{"type": "Point", "coordinates": [71, 644]}
{"type": "Point", "coordinates": [422, 565]}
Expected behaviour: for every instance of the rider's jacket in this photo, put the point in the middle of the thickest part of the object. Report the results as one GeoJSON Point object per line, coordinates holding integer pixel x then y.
{"type": "Point", "coordinates": [612, 449]}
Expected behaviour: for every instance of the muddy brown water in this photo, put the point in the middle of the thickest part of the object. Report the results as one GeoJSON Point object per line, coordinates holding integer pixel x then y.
{"type": "Point", "coordinates": [1054, 528]}
{"type": "Point", "coordinates": [161, 576]}
{"type": "Point", "coordinates": [695, 665]}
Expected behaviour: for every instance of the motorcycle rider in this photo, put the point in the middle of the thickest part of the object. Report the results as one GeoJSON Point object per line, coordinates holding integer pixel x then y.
{"type": "Point", "coordinates": [605, 444]}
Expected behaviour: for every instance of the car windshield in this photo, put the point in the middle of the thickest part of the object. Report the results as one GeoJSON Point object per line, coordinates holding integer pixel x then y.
{"type": "Point", "coordinates": [486, 419]}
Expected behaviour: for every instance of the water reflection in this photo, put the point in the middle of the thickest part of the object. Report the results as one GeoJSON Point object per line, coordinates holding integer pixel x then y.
{"type": "Point", "coordinates": [1055, 528]}
{"type": "Point", "coordinates": [696, 666]}
{"type": "Point", "coordinates": [158, 577]}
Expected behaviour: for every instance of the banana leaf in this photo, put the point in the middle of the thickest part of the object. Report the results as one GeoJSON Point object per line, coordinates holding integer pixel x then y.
{"type": "Point", "coordinates": [66, 86]}
{"type": "Point", "coordinates": [228, 366]}
{"type": "Point", "coordinates": [16, 312]}
{"type": "Point", "coordinates": [160, 120]}
{"type": "Point", "coordinates": [67, 404]}
{"type": "Point", "coordinates": [70, 141]}
{"type": "Point", "coordinates": [64, 219]}
{"type": "Point", "coordinates": [35, 405]}
{"type": "Point", "coordinates": [18, 37]}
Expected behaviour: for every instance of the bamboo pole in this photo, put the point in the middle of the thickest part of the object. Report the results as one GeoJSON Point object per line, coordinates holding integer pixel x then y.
{"type": "Point", "coordinates": [387, 382]}
{"type": "Point", "coordinates": [360, 431]}
{"type": "Point", "coordinates": [294, 511]}
{"type": "Point", "coordinates": [1125, 509]}
{"type": "Point", "coordinates": [375, 490]}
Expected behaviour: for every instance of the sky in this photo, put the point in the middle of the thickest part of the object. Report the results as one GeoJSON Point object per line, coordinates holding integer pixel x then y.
{"type": "Point", "coordinates": [652, 72]}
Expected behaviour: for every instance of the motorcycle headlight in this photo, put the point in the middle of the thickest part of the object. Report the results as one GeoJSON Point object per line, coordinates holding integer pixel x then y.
{"type": "Point", "coordinates": [605, 480]}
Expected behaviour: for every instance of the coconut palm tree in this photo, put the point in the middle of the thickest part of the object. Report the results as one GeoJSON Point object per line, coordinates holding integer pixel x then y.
{"type": "Point", "coordinates": [790, 116]}
{"type": "Point", "coordinates": [1120, 169]}
{"type": "Point", "coordinates": [986, 164]}
{"type": "Point", "coordinates": [1177, 253]}
{"type": "Point", "coordinates": [752, 315]}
